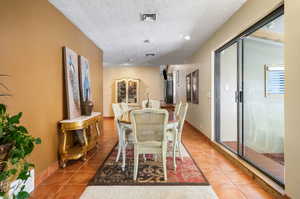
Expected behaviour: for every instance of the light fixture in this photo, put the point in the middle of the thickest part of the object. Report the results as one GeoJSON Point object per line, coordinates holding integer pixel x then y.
{"type": "Point", "coordinates": [146, 41]}
{"type": "Point", "coordinates": [187, 37]}
{"type": "Point", "coordinates": [148, 17]}
{"type": "Point", "coordinates": [150, 54]}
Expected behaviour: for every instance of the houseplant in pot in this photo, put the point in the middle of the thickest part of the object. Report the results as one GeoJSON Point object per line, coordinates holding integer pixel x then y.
{"type": "Point", "coordinates": [15, 145]}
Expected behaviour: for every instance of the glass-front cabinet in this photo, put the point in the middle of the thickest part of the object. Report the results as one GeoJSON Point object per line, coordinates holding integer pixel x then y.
{"type": "Point", "coordinates": [127, 91]}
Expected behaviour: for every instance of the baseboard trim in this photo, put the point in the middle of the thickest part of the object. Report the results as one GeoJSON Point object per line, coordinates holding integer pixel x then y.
{"type": "Point", "coordinates": [267, 184]}
{"type": "Point", "coordinates": [108, 117]}
{"type": "Point", "coordinates": [46, 173]}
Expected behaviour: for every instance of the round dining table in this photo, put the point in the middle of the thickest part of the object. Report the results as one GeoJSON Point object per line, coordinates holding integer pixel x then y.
{"type": "Point", "coordinates": [125, 123]}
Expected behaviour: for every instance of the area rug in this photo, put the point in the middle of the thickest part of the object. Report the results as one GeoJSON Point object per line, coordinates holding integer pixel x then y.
{"type": "Point", "coordinates": [149, 192]}
{"type": "Point", "coordinates": [150, 171]}
{"type": "Point", "coordinates": [187, 182]}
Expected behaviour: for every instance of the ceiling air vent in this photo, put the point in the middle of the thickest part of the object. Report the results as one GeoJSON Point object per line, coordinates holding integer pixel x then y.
{"type": "Point", "coordinates": [150, 54]}
{"type": "Point", "coordinates": [148, 17]}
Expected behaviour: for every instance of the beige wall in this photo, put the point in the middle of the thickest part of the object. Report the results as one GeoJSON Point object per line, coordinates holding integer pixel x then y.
{"type": "Point", "coordinates": [32, 36]}
{"type": "Point", "coordinates": [292, 97]}
{"type": "Point", "coordinates": [150, 80]}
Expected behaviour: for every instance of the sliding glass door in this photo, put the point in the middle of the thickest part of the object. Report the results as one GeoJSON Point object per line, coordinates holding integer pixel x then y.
{"type": "Point", "coordinates": [228, 86]}
{"type": "Point", "coordinates": [249, 95]}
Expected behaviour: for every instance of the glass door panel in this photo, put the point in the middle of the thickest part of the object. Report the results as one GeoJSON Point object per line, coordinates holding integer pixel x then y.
{"type": "Point", "coordinates": [227, 88]}
{"type": "Point", "coordinates": [121, 91]}
{"type": "Point", "coordinates": [263, 98]}
{"type": "Point", "coordinates": [132, 91]}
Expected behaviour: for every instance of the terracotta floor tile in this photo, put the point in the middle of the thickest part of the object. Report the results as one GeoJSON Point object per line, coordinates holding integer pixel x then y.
{"type": "Point", "coordinates": [228, 167]}
{"type": "Point", "coordinates": [45, 191]}
{"type": "Point", "coordinates": [81, 178]}
{"type": "Point", "coordinates": [58, 178]}
{"type": "Point", "coordinates": [216, 177]}
{"type": "Point", "coordinates": [228, 191]}
{"type": "Point", "coordinates": [74, 165]}
{"type": "Point", "coordinates": [254, 191]}
{"type": "Point", "coordinates": [90, 167]}
{"type": "Point", "coordinates": [70, 192]}
{"type": "Point", "coordinates": [239, 177]}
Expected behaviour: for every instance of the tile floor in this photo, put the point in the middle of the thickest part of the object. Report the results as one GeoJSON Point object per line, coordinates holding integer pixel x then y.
{"type": "Point", "coordinates": [275, 168]}
{"type": "Point", "coordinates": [228, 181]}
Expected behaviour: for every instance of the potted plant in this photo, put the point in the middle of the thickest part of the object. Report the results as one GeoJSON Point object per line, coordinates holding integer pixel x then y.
{"type": "Point", "coordinates": [15, 145]}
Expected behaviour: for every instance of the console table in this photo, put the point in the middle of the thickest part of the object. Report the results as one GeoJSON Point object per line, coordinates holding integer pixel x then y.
{"type": "Point", "coordinates": [68, 129]}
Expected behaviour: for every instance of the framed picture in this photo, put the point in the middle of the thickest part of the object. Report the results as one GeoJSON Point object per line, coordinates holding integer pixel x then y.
{"type": "Point", "coordinates": [188, 88]}
{"type": "Point", "coordinates": [84, 79]}
{"type": "Point", "coordinates": [72, 82]}
{"type": "Point", "coordinates": [195, 87]}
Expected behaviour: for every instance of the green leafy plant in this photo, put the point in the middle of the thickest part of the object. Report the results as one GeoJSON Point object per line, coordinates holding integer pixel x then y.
{"type": "Point", "coordinates": [16, 167]}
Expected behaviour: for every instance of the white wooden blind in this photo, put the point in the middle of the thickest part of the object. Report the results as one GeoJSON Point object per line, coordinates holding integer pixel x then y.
{"type": "Point", "coordinates": [275, 80]}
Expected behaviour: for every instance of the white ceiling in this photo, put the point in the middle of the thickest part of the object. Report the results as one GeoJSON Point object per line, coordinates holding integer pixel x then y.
{"type": "Point", "coordinates": [116, 28]}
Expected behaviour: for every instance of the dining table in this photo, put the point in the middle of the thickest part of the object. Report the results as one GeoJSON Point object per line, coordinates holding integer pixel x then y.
{"type": "Point", "coordinates": [125, 123]}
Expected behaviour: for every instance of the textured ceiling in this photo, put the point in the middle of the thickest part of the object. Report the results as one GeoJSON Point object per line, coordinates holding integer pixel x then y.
{"type": "Point", "coordinates": [115, 26]}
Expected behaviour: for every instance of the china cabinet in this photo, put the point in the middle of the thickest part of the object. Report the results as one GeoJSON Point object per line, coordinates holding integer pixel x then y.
{"type": "Point", "coordinates": [127, 91]}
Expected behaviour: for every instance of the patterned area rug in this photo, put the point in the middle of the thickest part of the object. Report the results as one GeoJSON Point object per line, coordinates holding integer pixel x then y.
{"type": "Point", "coordinates": [150, 171]}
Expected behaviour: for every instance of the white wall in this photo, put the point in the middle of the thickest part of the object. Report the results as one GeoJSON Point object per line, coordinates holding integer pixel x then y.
{"type": "Point", "coordinates": [150, 80]}
{"type": "Point", "coordinates": [196, 112]}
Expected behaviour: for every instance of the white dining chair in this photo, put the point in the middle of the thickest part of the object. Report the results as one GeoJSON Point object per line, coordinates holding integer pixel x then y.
{"type": "Point", "coordinates": [124, 107]}
{"type": "Point", "coordinates": [174, 134]}
{"type": "Point", "coordinates": [149, 132]}
{"type": "Point", "coordinates": [177, 108]}
{"type": "Point", "coordinates": [123, 132]}
{"type": "Point", "coordinates": [152, 104]}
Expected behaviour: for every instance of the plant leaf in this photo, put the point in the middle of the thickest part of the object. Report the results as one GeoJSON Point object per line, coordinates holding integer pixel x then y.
{"type": "Point", "coordinates": [15, 119]}
{"type": "Point", "coordinates": [2, 109]}
{"type": "Point", "coordinates": [37, 141]}
{"type": "Point", "coordinates": [23, 195]}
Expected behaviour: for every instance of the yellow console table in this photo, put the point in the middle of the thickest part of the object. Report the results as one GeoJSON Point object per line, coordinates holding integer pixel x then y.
{"type": "Point", "coordinates": [67, 130]}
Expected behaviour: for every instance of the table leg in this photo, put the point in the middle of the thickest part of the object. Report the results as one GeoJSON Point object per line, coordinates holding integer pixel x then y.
{"type": "Point", "coordinates": [86, 144]}
{"type": "Point", "coordinates": [123, 157]}
{"type": "Point", "coordinates": [63, 143]}
{"type": "Point", "coordinates": [62, 163]}
{"type": "Point", "coordinates": [174, 150]}
{"type": "Point", "coordinates": [97, 128]}
{"type": "Point", "coordinates": [123, 148]}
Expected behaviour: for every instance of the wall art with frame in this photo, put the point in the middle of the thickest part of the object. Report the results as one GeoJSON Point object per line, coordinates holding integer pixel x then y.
{"type": "Point", "coordinates": [71, 82]}
{"type": "Point", "coordinates": [195, 87]}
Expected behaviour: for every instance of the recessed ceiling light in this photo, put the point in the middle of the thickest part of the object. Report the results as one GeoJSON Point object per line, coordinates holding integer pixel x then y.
{"type": "Point", "coordinates": [187, 37]}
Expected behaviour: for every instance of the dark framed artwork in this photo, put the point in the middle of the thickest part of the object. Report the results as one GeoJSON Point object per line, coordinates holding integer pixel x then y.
{"type": "Point", "coordinates": [84, 79]}
{"type": "Point", "coordinates": [188, 88]}
{"type": "Point", "coordinates": [195, 87]}
{"type": "Point", "coordinates": [72, 82]}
